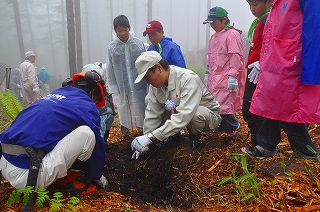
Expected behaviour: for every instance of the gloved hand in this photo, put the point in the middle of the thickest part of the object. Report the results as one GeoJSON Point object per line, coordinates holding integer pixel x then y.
{"type": "Point", "coordinates": [36, 90]}
{"type": "Point", "coordinates": [102, 182]}
{"type": "Point", "coordinates": [18, 86]}
{"type": "Point", "coordinates": [232, 84]}
{"type": "Point", "coordinates": [140, 145]}
{"type": "Point", "coordinates": [254, 74]}
{"type": "Point", "coordinates": [205, 79]}
{"type": "Point", "coordinates": [169, 105]}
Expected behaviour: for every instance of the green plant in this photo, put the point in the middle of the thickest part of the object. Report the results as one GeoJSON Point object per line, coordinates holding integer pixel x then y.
{"type": "Point", "coordinates": [313, 151]}
{"type": "Point", "coordinates": [56, 202]}
{"type": "Point", "coordinates": [10, 104]}
{"type": "Point", "coordinates": [27, 191]}
{"type": "Point", "coordinates": [74, 204]}
{"type": "Point", "coordinates": [127, 210]}
{"type": "Point", "coordinates": [15, 196]}
{"type": "Point", "coordinates": [42, 197]}
{"type": "Point", "coordinates": [308, 170]}
{"type": "Point", "coordinates": [247, 185]}
{"type": "Point", "coordinates": [273, 184]}
{"type": "Point", "coordinates": [283, 165]}
{"type": "Point", "coordinates": [56, 205]}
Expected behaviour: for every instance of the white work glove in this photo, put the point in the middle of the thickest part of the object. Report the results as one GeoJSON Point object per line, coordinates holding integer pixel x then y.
{"type": "Point", "coordinates": [18, 86]}
{"type": "Point", "coordinates": [140, 145]}
{"type": "Point", "coordinates": [254, 74]}
{"type": "Point", "coordinates": [169, 105]}
{"type": "Point", "coordinates": [36, 90]}
{"type": "Point", "coordinates": [102, 182]}
{"type": "Point", "coordinates": [205, 79]}
{"type": "Point", "coordinates": [232, 84]}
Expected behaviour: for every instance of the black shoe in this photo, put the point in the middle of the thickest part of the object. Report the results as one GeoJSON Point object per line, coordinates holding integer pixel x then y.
{"type": "Point", "coordinates": [257, 152]}
{"type": "Point", "coordinates": [196, 143]}
{"type": "Point", "coordinates": [171, 141]}
{"type": "Point", "coordinates": [313, 158]}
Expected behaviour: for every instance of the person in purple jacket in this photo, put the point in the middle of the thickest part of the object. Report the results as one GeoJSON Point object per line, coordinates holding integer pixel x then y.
{"type": "Point", "coordinates": [168, 49]}
{"type": "Point", "coordinates": [63, 128]}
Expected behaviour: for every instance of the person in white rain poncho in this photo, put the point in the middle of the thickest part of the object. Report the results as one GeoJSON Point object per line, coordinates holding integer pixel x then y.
{"type": "Point", "coordinates": [121, 73]}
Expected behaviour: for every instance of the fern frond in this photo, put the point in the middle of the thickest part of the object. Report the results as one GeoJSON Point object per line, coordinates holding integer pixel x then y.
{"type": "Point", "coordinates": [10, 104]}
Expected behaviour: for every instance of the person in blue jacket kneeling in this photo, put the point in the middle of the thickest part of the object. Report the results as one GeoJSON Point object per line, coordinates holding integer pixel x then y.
{"type": "Point", "coordinates": [63, 129]}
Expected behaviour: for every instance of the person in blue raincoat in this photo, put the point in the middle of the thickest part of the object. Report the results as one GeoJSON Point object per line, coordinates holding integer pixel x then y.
{"type": "Point", "coordinates": [44, 78]}
{"type": "Point", "coordinates": [167, 48]}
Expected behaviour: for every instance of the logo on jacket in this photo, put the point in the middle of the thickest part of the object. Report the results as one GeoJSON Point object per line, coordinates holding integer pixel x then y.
{"type": "Point", "coordinates": [54, 97]}
{"type": "Point", "coordinates": [284, 7]}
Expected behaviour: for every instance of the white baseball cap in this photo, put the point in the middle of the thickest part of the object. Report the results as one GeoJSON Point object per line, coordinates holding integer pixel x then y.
{"type": "Point", "coordinates": [29, 54]}
{"type": "Point", "coordinates": [144, 62]}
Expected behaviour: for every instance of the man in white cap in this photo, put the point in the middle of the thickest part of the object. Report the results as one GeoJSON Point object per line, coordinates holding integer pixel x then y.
{"type": "Point", "coordinates": [29, 78]}
{"type": "Point", "coordinates": [173, 89]}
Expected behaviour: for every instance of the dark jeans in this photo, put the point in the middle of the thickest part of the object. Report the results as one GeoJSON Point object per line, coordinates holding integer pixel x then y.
{"type": "Point", "coordinates": [254, 122]}
{"type": "Point", "coordinates": [229, 123]}
{"type": "Point", "coordinates": [269, 136]}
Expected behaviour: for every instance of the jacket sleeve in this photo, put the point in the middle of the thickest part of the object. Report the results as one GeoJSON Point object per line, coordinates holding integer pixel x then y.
{"type": "Point", "coordinates": [32, 75]}
{"type": "Point", "coordinates": [190, 97]}
{"type": "Point", "coordinates": [95, 165]}
{"type": "Point", "coordinates": [111, 77]}
{"type": "Point", "coordinates": [177, 57]}
{"type": "Point", "coordinates": [235, 53]}
{"type": "Point", "coordinates": [153, 114]}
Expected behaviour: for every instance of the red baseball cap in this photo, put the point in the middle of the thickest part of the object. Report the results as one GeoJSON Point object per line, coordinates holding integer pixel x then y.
{"type": "Point", "coordinates": [152, 27]}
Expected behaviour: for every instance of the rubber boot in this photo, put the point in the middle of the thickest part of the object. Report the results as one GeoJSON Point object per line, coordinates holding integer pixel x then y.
{"type": "Point", "coordinates": [70, 184]}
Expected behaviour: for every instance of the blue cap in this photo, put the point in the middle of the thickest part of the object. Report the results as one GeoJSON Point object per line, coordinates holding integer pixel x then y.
{"type": "Point", "coordinates": [214, 13]}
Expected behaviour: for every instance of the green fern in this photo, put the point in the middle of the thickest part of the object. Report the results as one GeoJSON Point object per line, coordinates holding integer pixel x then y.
{"type": "Point", "coordinates": [10, 104]}
{"type": "Point", "coordinates": [56, 202]}
{"type": "Point", "coordinates": [27, 192]}
{"type": "Point", "coordinates": [14, 197]}
{"type": "Point", "coordinates": [42, 197]}
{"type": "Point", "coordinates": [74, 204]}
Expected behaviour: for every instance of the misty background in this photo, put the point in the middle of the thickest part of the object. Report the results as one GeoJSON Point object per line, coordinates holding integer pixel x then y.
{"type": "Point", "coordinates": [44, 28]}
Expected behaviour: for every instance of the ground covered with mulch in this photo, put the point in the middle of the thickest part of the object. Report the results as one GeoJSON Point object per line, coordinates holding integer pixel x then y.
{"type": "Point", "coordinates": [178, 177]}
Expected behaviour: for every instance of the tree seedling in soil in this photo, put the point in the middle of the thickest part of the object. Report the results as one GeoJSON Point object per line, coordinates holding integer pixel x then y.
{"type": "Point", "coordinates": [247, 185]}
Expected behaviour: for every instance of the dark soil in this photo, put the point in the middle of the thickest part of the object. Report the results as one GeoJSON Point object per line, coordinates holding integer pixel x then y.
{"type": "Point", "coordinates": [179, 178]}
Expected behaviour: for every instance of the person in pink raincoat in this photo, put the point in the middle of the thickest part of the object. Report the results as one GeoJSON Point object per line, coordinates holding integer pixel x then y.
{"type": "Point", "coordinates": [226, 74]}
{"type": "Point", "coordinates": [280, 96]}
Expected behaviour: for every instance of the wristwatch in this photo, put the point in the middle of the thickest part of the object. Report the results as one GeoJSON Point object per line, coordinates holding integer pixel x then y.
{"type": "Point", "coordinates": [151, 137]}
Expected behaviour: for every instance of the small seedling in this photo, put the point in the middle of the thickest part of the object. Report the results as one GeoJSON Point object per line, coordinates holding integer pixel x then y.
{"type": "Point", "coordinates": [283, 165]}
{"type": "Point", "coordinates": [247, 185]}
{"type": "Point", "coordinates": [74, 204]}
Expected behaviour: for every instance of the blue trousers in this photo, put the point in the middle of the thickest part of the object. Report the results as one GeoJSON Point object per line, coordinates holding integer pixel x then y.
{"type": "Point", "coordinates": [229, 123]}
{"type": "Point", "coordinates": [269, 136]}
{"type": "Point", "coordinates": [106, 120]}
